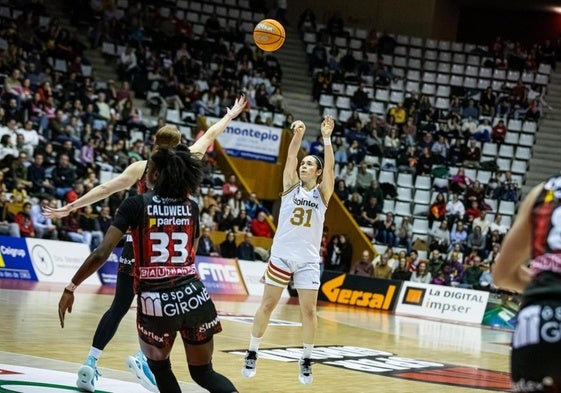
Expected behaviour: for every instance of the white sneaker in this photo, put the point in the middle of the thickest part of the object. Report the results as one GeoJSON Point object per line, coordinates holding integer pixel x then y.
{"type": "Point", "coordinates": [305, 376]}
{"type": "Point", "coordinates": [248, 369]}
{"type": "Point", "coordinates": [138, 365]}
{"type": "Point", "coordinates": [88, 375]}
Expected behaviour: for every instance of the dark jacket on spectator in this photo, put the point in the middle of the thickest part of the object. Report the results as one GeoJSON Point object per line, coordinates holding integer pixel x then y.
{"type": "Point", "coordinates": [206, 246]}
{"type": "Point", "coordinates": [404, 275]}
{"type": "Point", "coordinates": [63, 176]}
{"type": "Point", "coordinates": [246, 251]}
{"type": "Point", "coordinates": [228, 249]}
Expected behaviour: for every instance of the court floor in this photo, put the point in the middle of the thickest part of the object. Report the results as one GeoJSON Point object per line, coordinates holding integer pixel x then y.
{"type": "Point", "coordinates": [357, 350]}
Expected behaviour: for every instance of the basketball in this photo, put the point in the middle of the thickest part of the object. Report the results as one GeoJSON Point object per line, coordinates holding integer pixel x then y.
{"type": "Point", "coordinates": [269, 35]}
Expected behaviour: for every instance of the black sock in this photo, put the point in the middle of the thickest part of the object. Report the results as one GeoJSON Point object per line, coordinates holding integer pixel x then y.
{"type": "Point", "coordinates": [166, 381]}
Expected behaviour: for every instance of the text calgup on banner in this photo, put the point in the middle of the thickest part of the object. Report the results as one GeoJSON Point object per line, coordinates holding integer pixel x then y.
{"type": "Point", "coordinates": [15, 261]}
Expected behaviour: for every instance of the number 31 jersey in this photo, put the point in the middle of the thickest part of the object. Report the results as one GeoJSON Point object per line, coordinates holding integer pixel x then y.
{"type": "Point", "coordinates": [300, 228]}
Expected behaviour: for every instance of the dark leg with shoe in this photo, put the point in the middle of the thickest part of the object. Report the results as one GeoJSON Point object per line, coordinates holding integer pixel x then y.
{"type": "Point", "coordinates": [106, 328]}
{"type": "Point", "coordinates": [110, 321]}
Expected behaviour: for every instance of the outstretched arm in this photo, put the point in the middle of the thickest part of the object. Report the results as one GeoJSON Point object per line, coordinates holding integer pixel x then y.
{"type": "Point", "coordinates": [290, 173]}
{"type": "Point", "coordinates": [201, 145]}
{"type": "Point", "coordinates": [328, 182]}
{"type": "Point", "coordinates": [122, 182]}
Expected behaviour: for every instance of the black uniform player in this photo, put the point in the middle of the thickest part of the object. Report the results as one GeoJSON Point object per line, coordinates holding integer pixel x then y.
{"type": "Point", "coordinates": [535, 236]}
{"type": "Point", "coordinates": [171, 297]}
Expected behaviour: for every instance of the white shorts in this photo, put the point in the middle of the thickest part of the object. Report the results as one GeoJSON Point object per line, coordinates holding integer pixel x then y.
{"type": "Point", "coordinates": [306, 275]}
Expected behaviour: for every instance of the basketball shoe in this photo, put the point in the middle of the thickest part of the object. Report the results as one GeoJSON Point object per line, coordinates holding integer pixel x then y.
{"type": "Point", "coordinates": [138, 366]}
{"type": "Point", "coordinates": [305, 376]}
{"type": "Point", "coordinates": [248, 369]}
{"type": "Point", "coordinates": [88, 375]}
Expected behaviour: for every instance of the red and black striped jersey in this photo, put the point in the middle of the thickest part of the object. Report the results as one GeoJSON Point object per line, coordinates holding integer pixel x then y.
{"type": "Point", "coordinates": [164, 232]}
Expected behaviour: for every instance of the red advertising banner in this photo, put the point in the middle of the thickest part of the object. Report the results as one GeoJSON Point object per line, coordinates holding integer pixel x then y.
{"type": "Point", "coordinates": [220, 275]}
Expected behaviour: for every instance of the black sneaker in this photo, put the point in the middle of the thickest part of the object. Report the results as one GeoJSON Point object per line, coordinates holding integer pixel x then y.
{"type": "Point", "coordinates": [248, 369]}
{"type": "Point", "coordinates": [305, 376]}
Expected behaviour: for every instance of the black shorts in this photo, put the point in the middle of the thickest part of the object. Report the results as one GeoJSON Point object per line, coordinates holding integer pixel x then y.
{"type": "Point", "coordinates": [536, 347]}
{"type": "Point", "coordinates": [187, 309]}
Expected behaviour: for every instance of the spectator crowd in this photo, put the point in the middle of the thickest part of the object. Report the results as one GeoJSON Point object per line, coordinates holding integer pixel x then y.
{"type": "Point", "coordinates": [414, 136]}
{"type": "Point", "coordinates": [61, 128]}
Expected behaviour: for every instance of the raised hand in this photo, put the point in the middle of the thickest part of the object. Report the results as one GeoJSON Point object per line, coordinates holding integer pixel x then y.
{"type": "Point", "coordinates": [327, 126]}
{"type": "Point", "coordinates": [239, 106]}
{"type": "Point", "coordinates": [298, 127]}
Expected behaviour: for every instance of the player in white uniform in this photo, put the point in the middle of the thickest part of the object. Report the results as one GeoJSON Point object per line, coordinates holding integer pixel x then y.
{"type": "Point", "coordinates": [296, 245]}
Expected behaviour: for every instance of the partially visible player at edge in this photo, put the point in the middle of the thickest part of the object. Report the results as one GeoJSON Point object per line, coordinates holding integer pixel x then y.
{"type": "Point", "coordinates": [171, 297]}
{"type": "Point", "coordinates": [535, 236]}
{"type": "Point", "coordinates": [296, 245]}
{"type": "Point", "coordinates": [167, 136]}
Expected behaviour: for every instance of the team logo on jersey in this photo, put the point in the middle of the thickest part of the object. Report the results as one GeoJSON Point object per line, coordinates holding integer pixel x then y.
{"type": "Point", "coordinates": [537, 324]}
{"type": "Point", "coordinates": [305, 202]}
{"type": "Point", "coordinates": [159, 215]}
{"type": "Point", "coordinates": [375, 362]}
{"type": "Point", "coordinates": [175, 302]}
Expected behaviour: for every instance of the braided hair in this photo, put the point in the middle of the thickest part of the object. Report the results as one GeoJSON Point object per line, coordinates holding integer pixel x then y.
{"type": "Point", "coordinates": [179, 172]}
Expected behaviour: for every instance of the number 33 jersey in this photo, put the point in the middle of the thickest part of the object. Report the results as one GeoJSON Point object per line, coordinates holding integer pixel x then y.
{"type": "Point", "coordinates": [163, 231]}
{"type": "Point", "coordinates": [300, 227]}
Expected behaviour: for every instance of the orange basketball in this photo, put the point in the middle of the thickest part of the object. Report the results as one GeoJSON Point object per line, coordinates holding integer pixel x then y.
{"type": "Point", "coordinates": [269, 35]}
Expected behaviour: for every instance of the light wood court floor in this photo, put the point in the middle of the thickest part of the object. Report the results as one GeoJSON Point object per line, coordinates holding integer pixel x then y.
{"type": "Point", "coordinates": [358, 350]}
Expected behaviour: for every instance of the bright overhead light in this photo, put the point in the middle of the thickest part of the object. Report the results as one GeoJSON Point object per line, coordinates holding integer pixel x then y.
{"type": "Point", "coordinates": [556, 9]}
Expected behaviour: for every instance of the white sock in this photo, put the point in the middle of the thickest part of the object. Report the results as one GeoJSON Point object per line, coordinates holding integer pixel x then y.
{"type": "Point", "coordinates": [307, 351]}
{"type": "Point", "coordinates": [254, 343]}
{"type": "Point", "coordinates": [94, 352]}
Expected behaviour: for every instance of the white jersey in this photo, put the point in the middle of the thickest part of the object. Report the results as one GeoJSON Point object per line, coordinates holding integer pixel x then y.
{"type": "Point", "coordinates": [301, 217]}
